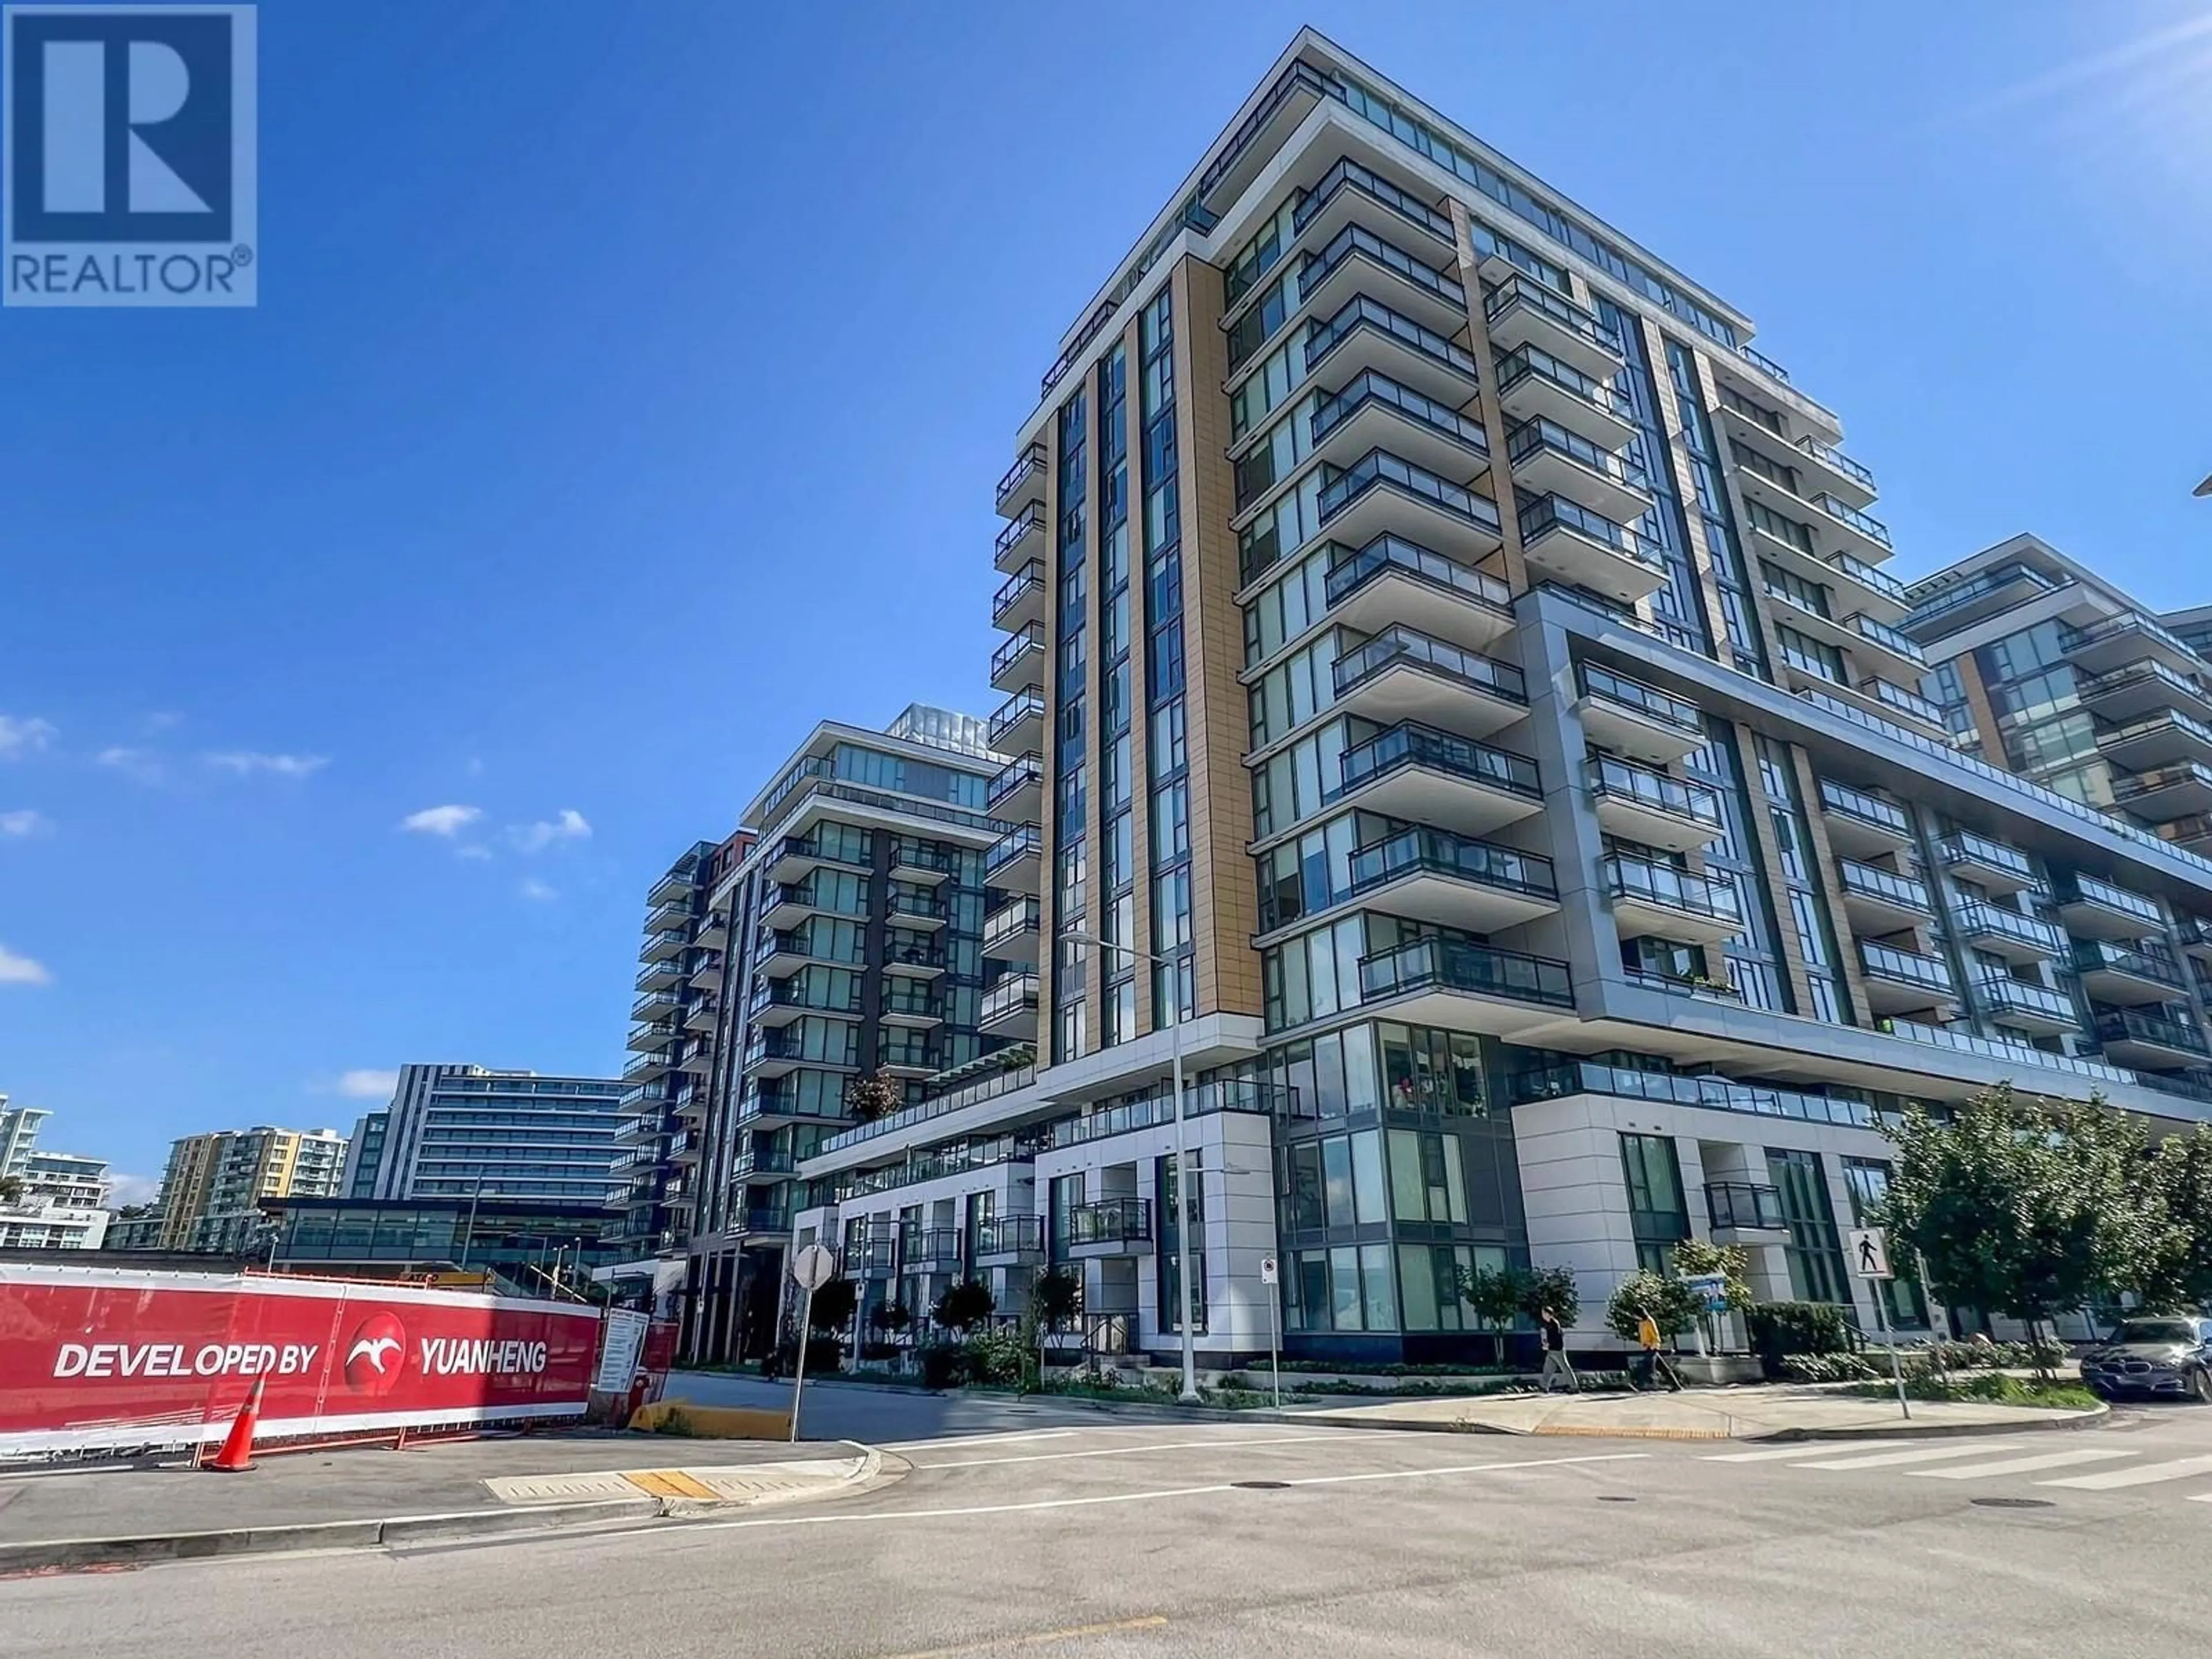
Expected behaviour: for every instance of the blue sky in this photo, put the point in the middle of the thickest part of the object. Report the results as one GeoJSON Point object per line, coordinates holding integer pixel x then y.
{"type": "Point", "coordinates": [629, 381]}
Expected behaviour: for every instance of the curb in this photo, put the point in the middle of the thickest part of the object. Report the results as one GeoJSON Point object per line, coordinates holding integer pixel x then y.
{"type": "Point", "coordinates": [61, 1554]}
{"type": "Point", "coordinates": [1901, 1430]}
{"type": "Point", "coordinates": [2084, 1419]}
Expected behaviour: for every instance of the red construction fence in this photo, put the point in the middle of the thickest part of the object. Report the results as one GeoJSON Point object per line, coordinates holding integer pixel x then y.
{"type": "Point", "coordinates": [100, 1356]}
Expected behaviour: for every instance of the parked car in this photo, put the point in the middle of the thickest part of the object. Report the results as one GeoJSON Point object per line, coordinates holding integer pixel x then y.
{"type": "Point", "coordinates": [2154, 1354]}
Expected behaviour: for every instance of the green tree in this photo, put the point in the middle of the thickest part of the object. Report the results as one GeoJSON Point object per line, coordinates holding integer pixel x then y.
{"type": "Point", "coordinates": [890, 1318]}
{"type": "Point", "coordinates": [1494, 1293]}
{"type": "Point", "coordinates": [1554, 1288]}
{"type": "Point", "coordinates": [12, 1189]}
{"type": "Point", "coordinates": [965, 1304]}
{"type": "Point", "coordinates": [872, 1096]}
{"type": "Point", "coordinates": [834, 1302]}
{"type": "Point", "coordinates": [1696, 1258]}
{"type": "Point", "coordinates": [1666, 1299]}
{"type": "Point", "coordinates": [2026, 1208]}
{"type": "Point", "coordinates": [2180, 1175]}
{"type": "Point", "coordinates": [1056, 1297]}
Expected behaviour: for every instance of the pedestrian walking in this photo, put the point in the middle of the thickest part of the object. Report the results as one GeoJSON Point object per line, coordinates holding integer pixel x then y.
{"type": "Point", "coordinates": [1654, 1364]}
{"type": "Point", "coordinates": [1557, 1367]}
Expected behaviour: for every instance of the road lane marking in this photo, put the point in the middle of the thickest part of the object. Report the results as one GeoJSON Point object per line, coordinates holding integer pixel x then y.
{"type": "Point", "coordinates": [1131, 1451]}
{"type": "Point", "coordinates": [1795, 1448]}
{"type": "Point", "coordinates": [977, 1439]}
{"type": "Point", "coordinates": [1038, 1638]}
{"type": "Point", "coordinates": [1921, 1455]}
{"type": "Point", "coordinates": [2143, 1475]}
{"type": "Point", "coordinates": [848, 1520]}
{"type": "Point", "coordinates": [2019, 1465]}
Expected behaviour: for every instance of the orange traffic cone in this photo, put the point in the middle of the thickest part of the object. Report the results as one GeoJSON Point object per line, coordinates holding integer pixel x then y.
{"type": "Point", "coordinates": [237, 1454]}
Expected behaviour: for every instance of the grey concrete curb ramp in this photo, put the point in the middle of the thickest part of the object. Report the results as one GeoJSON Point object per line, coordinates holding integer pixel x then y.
{"type": "Point", "coordinates": [2087, 1417]}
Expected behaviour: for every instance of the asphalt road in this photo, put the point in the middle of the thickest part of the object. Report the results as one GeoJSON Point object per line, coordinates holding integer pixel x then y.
{"type": "Point", "coordinates": [1231, 1540]}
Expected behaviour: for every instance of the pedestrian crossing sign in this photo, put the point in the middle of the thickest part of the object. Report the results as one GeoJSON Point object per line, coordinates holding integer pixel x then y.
{"type": "Point", "coordinates": [1870, 1254]}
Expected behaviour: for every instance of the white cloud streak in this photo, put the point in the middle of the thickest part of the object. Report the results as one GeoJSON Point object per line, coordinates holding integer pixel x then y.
{"type": "Point", "coordinates": [24, 736]}
{"type": "Point", "coordinates": [536, 890]}
{"type": "Point", "coordinates": [22, 970]}
{"type": "Point", "coordinates": [246, 763]}
{"type": "Point", "coordinates": [567, 825]}
{"type": "Point", "coordinates": [140, 765]}
{"type": "Point", "coordinates": [25, 823]}
{"type": "Point", "coordinates": [366, 1083]}
{"type": "Point", "coordinates": [446, 820]}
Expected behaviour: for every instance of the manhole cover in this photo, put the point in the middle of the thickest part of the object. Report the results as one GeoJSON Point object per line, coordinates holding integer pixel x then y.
{"type": "Point", "coordinates": [1605, 1497]}
{"type": "Point", "coordinates": [1260, 1486]}
{"type": "Point", "coordinates": [2014, 1504]}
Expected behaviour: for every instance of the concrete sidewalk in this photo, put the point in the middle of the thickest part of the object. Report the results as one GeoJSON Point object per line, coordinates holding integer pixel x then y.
{"type": "Point", "coordinates": [1754, 1411]}
{"type": "Point", "coordinates": [365, 1498]}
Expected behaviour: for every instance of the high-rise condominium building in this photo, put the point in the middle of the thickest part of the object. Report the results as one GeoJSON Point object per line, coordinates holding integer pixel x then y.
{"type": "Point", "coordinates": [18, 1135]}
{"type": "Point", "coordinates": [464, 1131]}
{"type": "Point", "coordinates": [52, 1201]}
{"type": "Point", "coordinates": [859, 948]}
{"type": "Point", "coordinates": [1457, 689]}
{"type": "Point", "coordinates": [212, 1189]}
{"type": "Point", "coordinates": [674, 1042]}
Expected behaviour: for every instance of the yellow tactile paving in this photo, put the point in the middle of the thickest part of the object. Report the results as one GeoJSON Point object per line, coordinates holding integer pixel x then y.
{"type": "Point", "coordinates": [671, 1483]}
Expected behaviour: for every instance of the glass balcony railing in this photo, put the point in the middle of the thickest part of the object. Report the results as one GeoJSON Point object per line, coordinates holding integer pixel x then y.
{"type": "Point", "coordinates": [1369, 388]}
{"type": "Point", "coordinates": [1889, 638]}
{"type": "Point", "coordinates": [1010, 1235]}
{"type": "Point", "coordinates": [1387, 555]}
{"type": "Point", "coordinates": [1867, 809]}
{"type": "Point", "coordinates": [1030, 522]}
{"type": "Point", "coordinates": [1396, 646]}
{"type": "Point", "coordinates": [1411, 743]}
{"type": "Point", "coordinates": [1647, 880]}
{"type": "Point", "coordinates": [1438, 853]}
{"type": "Point", "coordinates": [1518, 290]}
{"type": "Point", "coordinates": [1866, 575]}
{"type": "Point", "coordinates": [1024, 841]}
{"type": "Point", "coordinates": [2093, 956]}
{"type": "Point", "coordinates": [1030, 460]}
{"type": "Point", "coordinates": [1020, 646]}
{"type": "Point", "coordinates": [1611, 778]}
{"type": "Point", "coordinates": [2175, 1030]}
{"type": "Point", "coordinates": [1541, 516]}
{"type": "Point", "coordinates": [1637, 697]}
{"type": "Point", "coordinates": [1022, 706]}
{"type": "Point", "coordinates": [1757, 413]}
{"type": "Point", "coordinates": [2081, 889]}
{"type": "Point", "coordinates": [1010, 995]}
{"type": "Point", "coordinates": [1010, 922]}
{"type": "Point", "coordinates": [1746, 1205]}
{"type": "Point", "coordinates": [1964, 846]}
{"type": "Point", "coordinates": [1518, 365]}
{"type": "Point", "coordinates": [1905, 967]}
{"type": "Point", "coordinates": [1978, 921]}
{"type": "Point", "coordinates": [2000, 995]}
{"type": "Point", "coordinates": [2128, 622]}
{"type": "Point", "coordinates": [813, 998]}
{"type": "Point", "coordinates": [1356, 241]}
{"type": "Point", "coordinates": [1991, 583]}
{"type": "Point", "coordinates": [1870, 881]}
{"type": "Point", "coordinates": [1363, 313]}
{"type": "Point", "coordinates": [1586, 1077]}
{"type": "Point", "coordinates": [2172, 720]}
{"type": "Point", "coordinates": [1451, 964]}
{"type": "Point", "coordinates": [1110, 1221]}
{"type": "Point", "coordinates": [2136, 785]}
{"type": "Point", "coordinates": [2147, 672]}
{"type": "Point", "coordinates": [1379, 468]}
{"type": "Point", "coordinates": [1348, 174]}
{"type": "Point", "coordinates": [1891, 695]}
{"type": "Point", "coordinates": [1030, 579]}
{"type": "Point", "coordinates": [1872, 528]}
{"type": "Point", "coordinates": [1836, 459]}
{"type": "Point", "coordinates": [1200, 1098]}
{"type": "Point", "coordinates": [1023, 770]}
{"type": "Point", "coordinates": [1541, 435]}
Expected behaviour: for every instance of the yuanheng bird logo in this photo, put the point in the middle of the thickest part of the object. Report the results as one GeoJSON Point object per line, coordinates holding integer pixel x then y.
{"type": "Point", "coordinates": [376, 1355]}
{"type": "Point", "coordinates": [128, 161]}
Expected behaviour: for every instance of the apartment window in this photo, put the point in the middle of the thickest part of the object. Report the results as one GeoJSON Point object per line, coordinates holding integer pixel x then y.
{"type": "Point", "coordinates": [1170, 1255]}
{"type": "Point", "coordinates": [1815, 1250]}
{"type": "Point", "coordinates": [1867, 1180]}
{"type": "Point", "coordinates": [1677, 606]}
{"type": "Point", "coordinates": [1658, 1217]}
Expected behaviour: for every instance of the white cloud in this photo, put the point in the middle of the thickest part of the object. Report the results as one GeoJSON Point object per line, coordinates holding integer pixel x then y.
{"type": "Point", "coordinates": [22, 970]}
{"type": "Point", "coordinates": [569, 825]}
{"type": "Point", "coordinates": [446, 820]}
{"type": "Point", "coordinates": [536, 890]}
{"type": "Point", "coordinates": [19, 737]}
{"type": "Point", "coordinates": [26, 822]}
{"type": "Point", "coordinates": [141, 765]}
{"type": "Point", "coordinates": [132, 1189]}
{"type": "Point", "coordinates": [473, 850]}
{"type": "Point", "coordinates": [366, 1083]}
{"type": "Point", "coordinates": [247, 763]}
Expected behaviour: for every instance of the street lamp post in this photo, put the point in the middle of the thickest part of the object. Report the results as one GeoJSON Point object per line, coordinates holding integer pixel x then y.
{"type": "Point", "coordinates": [469, 1232]}
{"type": "Point", "coordinates": [1076, 936]}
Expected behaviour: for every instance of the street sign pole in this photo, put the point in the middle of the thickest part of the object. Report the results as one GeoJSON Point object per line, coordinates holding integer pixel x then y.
{"type": "Point", "coordinates": [1869, 1248]}
{"type": "Point", "coordinates": [1896, 1371]}
{"type": "Point", "coordinates": [1270, 1279]}
{"type": "Point", "coordinates": [812, 1268]}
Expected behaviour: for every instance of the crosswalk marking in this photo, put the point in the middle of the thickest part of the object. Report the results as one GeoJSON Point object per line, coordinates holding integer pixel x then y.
{"type": "Point", "coordinates": [2018, 1465]}
{"type": "Point", "coordinates": [1795, 1448]}
{"type": "Point", "coordinates": [2143, 1475]}
{"type": "Point", "coordinates": [1920, 1454]}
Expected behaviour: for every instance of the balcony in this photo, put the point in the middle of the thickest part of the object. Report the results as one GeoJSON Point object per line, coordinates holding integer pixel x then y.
{"type": "Point", "coordinates": [1524, 312]}
{"type": "Point", "coordinates": [1392, 580]}
{"type": "Point", "coordinates": [2151, 1039]}
{"type": "Point", "coordinates": [2127, 978]}
{"type": "Point", "coordinates": [1880, 901]}
{"type": "Point", "coordinates": [1638, 804]}
{"type": "Point", "coordinates": [1571, 544]}
{"type": "Point", "coordinates": [774, 1053]}
{"type": "Point", "coordinates": [1355, 256]}
{"type": "Point", "coordinates": [1016, 791]}
{"type": "Point", "coordinates": [1905, 981]}
{"type": "Point", "coordinates": [1885, 647]}
{"type": "Point", "coordinates": [1636, 719]}
{"type": "Point", "coordinates": [2196, 935]}
{"type": "Point", "coordinates": [1010, 1008]}
{"type": "Point", "coordinates": [1020, 541]}
{"type": "Point", "coordinates": [1400, 675]}
{"type": "Point", "coordinates": [780, 1001]}
{"type": "Point", "coordinates": [2033, 1011]}
{"type": "Point", "coordinates": [713, 931]}
{"type": "Point", "coordinates": [1997, 868]}
{"type": "Point", "coordinates": [1011, 932]}
{"type": "Point", "coordinates": [1381, 492]}
{"type": "Point", "coordinates": [664, 972]}
{"type": "Point", "coordinates": [1426, 981]}
{"type": "Point", "coordinates": [673, 888]}
{"type": "Point", "coordinates": [2140, 690]}
{"type": "Point", "coordinates": [912, 1003]}
{"type": "Point", "coordinates": [914, 960]}
{"type": "Point", "coordinates": [1418, 773]}
{"type": "Point", "coordinates": [655, 1034]}
{"type": "Point", "coordinates": [2016, 936]}
{"type": "Point", "coordinates": [1939, 612]}
{"type": "Point", "coordinates": [1862, 823]}
{"type": "Point", "coordinates": [1894, 701]}
{"type": "Point", "coordinates": [786, 902]}
{"type": "Point", "coordinates": [1374, 411]}
{"type": "Point", "coordinates": [2156, 741]}
{"type": "Point", "coordinates": [1548, 459]}
{"type": "Point", "coordinates": [659, 1006]}
{"type": "Point", "coordinates": [1840, 478]}
{"type": "Point", "coordinates": [1109, 1227]}
{"type": "Point", "coordinates": [931, 1249]}
{"type": "Point", "coordinates": [2100, 909]}
{"type": "Point", "coordinates": [1020, 602]}
{"type": "Point", "coordinates": [919, 911]}
{"type": "Point", "coordinates": [916, 859]}
{"type": "Point", "coordinates": [1023, 484]}
{"type": "Point", "coordinates": [1018, 665]}
{"type": "Point", "coordinates": [1367, 334]}
{"type": "Point", "coordinates": [1349, 193]}
{"type": "Point", "coordinates": [646, 1067]}
{"type": "Point", "coordinates": [2129, 637]}
{"type": "Point", "coordinates": [1867, 538]}
{"type": "Point", "coordinates": [872, 1259]}
{"type": "Point", "coordinates": [1016, 726]}
{"type": "Point", "coordinates": [1744, 1212]}
{"type": "Point", "coordinates": [1659, 900]}
{"type": "Point", "coordinates": [669, 918]}
{"type": "Point", "coordinates": [1009, 1241]}
{"type": "Point", "coordinates": [1436, 876]}
{"type": "Point", "coordinates": [2182, 789]}
{"type": "Point", "coordinates": [1014, 858]}
{"type": "Point", "coordinates": [2192, 832]}
{"type": "Point", "coordinates": [757, 1162]}
{"type": "Point", "coordinates": [1860, 587]}
{"type": "Point", "coordinates": [1534, 385]}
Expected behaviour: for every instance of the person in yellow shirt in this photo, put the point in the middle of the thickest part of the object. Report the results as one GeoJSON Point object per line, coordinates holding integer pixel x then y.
{"type": "Point", "coordinates": [1654, 1364]}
